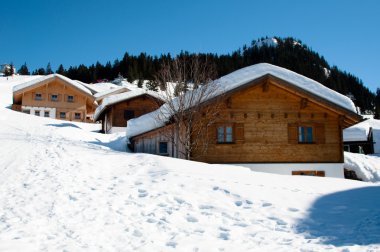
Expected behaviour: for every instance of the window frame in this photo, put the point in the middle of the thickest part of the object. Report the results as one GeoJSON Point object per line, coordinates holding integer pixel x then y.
{"type": "Point", "coordinates": [46, 113]}
{"type": "Point", "coordinates": [225, 126]}
{"type": "Point", "coordinates": [70, 98]}
{"type": "Point", "coordinates": [54, 99]}
{"type": "Point", "coordinates": [167, 148]}
{"type": "Point", "coordinates": [37, 112]}
{"type": "Point", "coordinates": [306, 134]}
{"type": "Point", "coordinates": [77, 113]}
{"type": "Point", "coordinates": [60, 115]}
{"type": "Point", "coordinates": [38, 96]}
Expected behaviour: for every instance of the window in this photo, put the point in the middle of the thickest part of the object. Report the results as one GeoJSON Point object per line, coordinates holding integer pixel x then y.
{"type": "Point", "coordinates": [26, 111]}
{"type": "Point", "coordinates": [163, 148]}
{"type": "Point", "coordinates": [54, 97]}
{"type": "Point", "coordinates": [308, 133]}
{"type": "Point", "coordinates": [309, 173]}
{"type": "Point", "coordinates": [46, 114]}
{"type": "Point", "coordinates": [70, 98]}
{"type": "Point", "coordinates": [305, 134]}
{"type": "Point", "coordinates": [77, 116]}
{"type": "Point", "coordinates": [37, 113]}
{"type": "Point", "coordinates": [38, 96]}
{"type": "Point", "coordinates": [62, 115]}
{"type": "Point", "coordinates": [129, 114]}
{"type": "Point", "coordinates": [225, 134]}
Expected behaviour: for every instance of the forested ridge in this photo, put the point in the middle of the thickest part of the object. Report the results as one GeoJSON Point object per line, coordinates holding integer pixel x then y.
{"type": "Point", "coordinates": [288, 52]}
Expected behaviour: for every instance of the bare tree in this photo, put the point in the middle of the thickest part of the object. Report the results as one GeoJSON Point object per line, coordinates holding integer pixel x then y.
{"type": "Point", "coordinates": [187, 87]}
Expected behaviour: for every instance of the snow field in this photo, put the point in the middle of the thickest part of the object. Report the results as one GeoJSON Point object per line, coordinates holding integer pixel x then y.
{"type": "Point", "coordinates": [65, 187]}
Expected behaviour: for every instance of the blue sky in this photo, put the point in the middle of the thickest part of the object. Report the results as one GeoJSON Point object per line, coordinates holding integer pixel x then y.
{"type": "Point", "coordinates": [346, 33]}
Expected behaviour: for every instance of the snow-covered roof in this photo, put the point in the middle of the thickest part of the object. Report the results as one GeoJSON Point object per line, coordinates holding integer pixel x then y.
{"type": "Point", "coordinates": [113, 99]}
{"type": "Point", "coordinates": [238, 79]}
{"type": "Point", "coordinates": [360, 131]}
{"type": "Point", "coordinates": [47, 78]}
{"type": "Point", "coordinates": [99, 87]}
{"type": "Point", "coordinates": [118, 90]}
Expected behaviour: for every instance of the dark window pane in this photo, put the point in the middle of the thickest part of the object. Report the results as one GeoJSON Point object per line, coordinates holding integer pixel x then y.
{"type": "Point", "coordinates": [163, 148]}
{"type": "Point", "coordinates": [70, 98]}
{"type": "Point", "coordinates": [301, 134]}
{"type": "Point", "coordinates": [220, 134]}
{"type": "Point", "coordinates": [228, 134]}
{"type": "Point", "coordinates": [309, 134]}
{"type": "Point", "coordinates": [129, 114]}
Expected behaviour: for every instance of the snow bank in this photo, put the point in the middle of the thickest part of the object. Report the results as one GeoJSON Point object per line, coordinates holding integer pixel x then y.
{"type": "Point", "coordinates": [366, 167]}
{"type": "Point", "coordinates": [245, 76]}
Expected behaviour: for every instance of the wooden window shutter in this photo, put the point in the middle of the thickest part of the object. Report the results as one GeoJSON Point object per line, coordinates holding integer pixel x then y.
{"type": "Point", "coordinates": [33, 95]}
{"type": "Point", "coordinates": [292, 133]}
{"type": "Point", "coordinates": [49, 97]}
{"type": "Point", "coordinates": [212, 133]}
{"type": "Point", "coordinates": [319, 133]}
{"type": "Point", "coordinates": [239, 132]}
{"type": "Point", "coordinates": [65, 97]}
{"type": "Point", "coordinates": [59, 97]}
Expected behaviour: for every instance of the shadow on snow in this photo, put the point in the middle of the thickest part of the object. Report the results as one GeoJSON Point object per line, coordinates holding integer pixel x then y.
{"type": "Point", "coordinates": [62, 125]}
{"type": "Point", "coordinates": [345, 218]}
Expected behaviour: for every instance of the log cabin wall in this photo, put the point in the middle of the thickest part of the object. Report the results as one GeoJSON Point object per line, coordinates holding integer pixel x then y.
{"type": "Point", "coordinates": [78, 102]}
{"type": "Point", "coordinates": [118, 115]}
{"type": "Point", "coordinates": [265, 121]}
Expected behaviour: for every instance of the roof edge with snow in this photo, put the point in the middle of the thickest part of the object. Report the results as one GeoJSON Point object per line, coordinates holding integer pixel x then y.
{"type": "Point", "coordinates": [44, 79]}
{"type": "Point", "coordinates": [116, 98]}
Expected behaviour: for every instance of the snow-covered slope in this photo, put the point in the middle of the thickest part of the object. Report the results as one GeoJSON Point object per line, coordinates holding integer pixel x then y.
{"type": "Point", "coordinates": [66, 188]}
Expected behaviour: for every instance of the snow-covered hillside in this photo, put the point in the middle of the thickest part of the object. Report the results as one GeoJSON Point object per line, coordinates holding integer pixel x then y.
{"type": "Point", "coordinates": [64, 187]}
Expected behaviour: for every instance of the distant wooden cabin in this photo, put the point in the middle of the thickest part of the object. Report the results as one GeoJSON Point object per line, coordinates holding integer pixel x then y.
{"type": "Point", "coordinates": [115, 110]}
{"type": "Point", "coordinates": [271, 119]}
{"type": "Point", "coordinates": [363, 137]}
{"type": "Point", "coordinates": [55, 96]}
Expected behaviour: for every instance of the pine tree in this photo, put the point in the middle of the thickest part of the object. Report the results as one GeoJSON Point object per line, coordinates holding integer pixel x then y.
{"type": "Point", "coordinates": [48, 69]}
{"type": "Point", "coordinates": [39, 71]}
{"type": "Point", "coordinates": [377, 104]}
{"type": "Point", "coordinates": [61, 70]}
{"type": "Point", "coordinates": [24, 70]}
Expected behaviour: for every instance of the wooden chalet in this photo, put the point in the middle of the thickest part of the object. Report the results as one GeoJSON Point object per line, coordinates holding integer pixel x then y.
{"type": "Point", "coordinates": [271, 119]}
{"type": "Point", "coordinates": [363, 137]}
{"type": "Point", "coordinates": [115, 110]}
{"type": "Point", "coordinates": [55, 96]}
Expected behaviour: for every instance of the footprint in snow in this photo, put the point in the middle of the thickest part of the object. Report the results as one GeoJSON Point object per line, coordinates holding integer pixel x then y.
{"type": "Point", "coordinates": [238, 203]}
{"type": "Point", "coordinates": [266, 204]}
{"type": "Point", "coordinates": [224, 236]}
{"type": "Point", "coordinates": [179, 200]}
{"type": "Point", "coordinates": [171, 244]}
{"type": "Point", "coordinates": [206, 207]}
{"type": "Point", "coordinates": [292, 209]}
{"type": "Point", "coordinates": [191, 219]}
